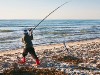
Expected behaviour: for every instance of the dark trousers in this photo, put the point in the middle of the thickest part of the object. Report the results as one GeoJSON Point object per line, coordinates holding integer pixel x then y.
{"type": "Point", "coordinates": [31, 51]}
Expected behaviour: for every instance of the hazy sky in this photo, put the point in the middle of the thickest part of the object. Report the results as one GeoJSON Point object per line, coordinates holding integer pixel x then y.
{"type": "Point", "coordinates": [38, 9]}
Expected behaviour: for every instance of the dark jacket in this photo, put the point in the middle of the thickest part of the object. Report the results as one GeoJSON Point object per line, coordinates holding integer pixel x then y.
{"type": "Point", "coordinates": [27, 40]}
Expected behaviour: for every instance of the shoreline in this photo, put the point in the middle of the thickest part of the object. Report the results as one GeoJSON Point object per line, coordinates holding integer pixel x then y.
{"type": "Point", "coordinates": [50, 46]}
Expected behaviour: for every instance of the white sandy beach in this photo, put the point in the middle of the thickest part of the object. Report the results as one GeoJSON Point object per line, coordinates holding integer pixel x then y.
{"type": "Point", "coordinates": [88, 50]}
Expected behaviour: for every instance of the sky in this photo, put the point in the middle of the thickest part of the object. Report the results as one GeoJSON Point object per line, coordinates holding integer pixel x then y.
{"type": "Point", "coordinates": [38, 9]}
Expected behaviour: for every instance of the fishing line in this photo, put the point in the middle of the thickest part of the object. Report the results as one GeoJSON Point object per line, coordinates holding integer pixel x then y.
{"type": "Point", "coordinates": [49, 15]}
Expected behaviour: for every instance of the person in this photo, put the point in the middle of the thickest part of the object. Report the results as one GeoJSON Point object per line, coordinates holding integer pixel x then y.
{"type": "Point", "coordinates": [28, 47]}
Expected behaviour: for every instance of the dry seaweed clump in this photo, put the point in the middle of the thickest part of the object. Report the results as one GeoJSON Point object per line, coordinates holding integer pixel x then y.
{"type": "Point", "coordinates": [32, 71]}
{"type": "Point", "coordinates": [70, 59]}
{"type": "Point", "coordinates": [98, 66]}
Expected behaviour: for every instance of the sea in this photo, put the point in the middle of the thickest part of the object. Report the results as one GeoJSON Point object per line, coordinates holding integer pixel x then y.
{"type": "Point", "coordinates": [48, 32]}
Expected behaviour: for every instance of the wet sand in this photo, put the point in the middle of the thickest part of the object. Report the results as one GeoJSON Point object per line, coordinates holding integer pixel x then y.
{"type": "Point", "coordinates": [53, 56]}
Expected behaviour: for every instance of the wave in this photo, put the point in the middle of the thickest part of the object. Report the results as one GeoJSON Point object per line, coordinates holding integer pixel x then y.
{"type": "Point", "coordinates": [4, 31]}
{"type": "Point", "coordinates": [49, 31]}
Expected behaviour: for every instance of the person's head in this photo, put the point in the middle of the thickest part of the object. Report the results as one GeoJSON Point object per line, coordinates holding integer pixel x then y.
{"type": "Point", "coordinates": [25, 32]}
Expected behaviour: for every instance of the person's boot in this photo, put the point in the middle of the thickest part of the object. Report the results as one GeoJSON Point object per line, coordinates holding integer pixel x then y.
{"type": "Point", "coordinates": [37, 62]}
{"type": "Point", "coordinates": [23, 60]}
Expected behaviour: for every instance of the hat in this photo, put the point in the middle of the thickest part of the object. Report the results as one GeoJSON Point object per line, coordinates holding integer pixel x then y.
{"type": "Point", "coordinates": [25, 32]}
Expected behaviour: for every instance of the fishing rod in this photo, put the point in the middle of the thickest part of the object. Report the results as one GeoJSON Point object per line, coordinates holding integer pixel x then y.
{"type": "Point", "coordinates": [48, 15]}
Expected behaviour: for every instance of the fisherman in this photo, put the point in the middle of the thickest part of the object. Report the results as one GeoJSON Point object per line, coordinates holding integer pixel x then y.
{"type": "Point", "coordinates": [28, 47]}
{"type": "Point", "coordinates": [28, 43]}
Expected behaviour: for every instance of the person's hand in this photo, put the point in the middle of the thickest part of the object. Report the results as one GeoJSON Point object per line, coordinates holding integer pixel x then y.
{"type": "Point", "coordinates": [30, 30]}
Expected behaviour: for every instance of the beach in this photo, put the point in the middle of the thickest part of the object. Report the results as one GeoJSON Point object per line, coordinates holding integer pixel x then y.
{"type": "Point", "coordinates": [76, 57]}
